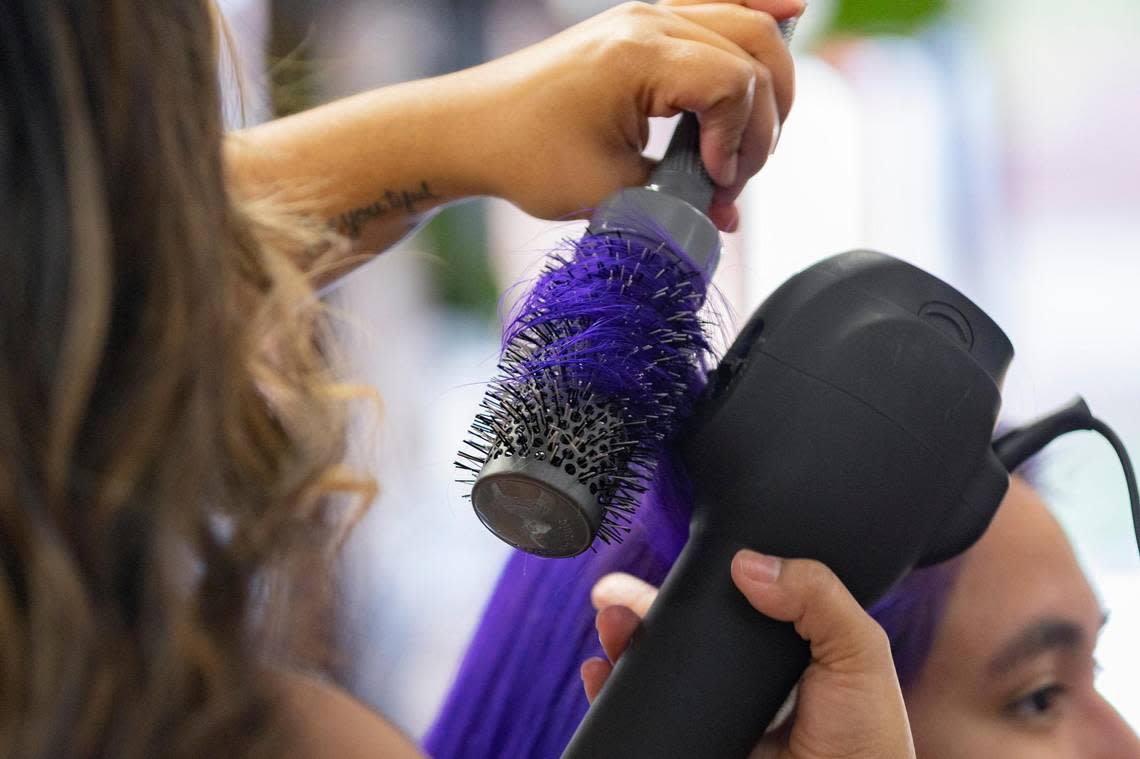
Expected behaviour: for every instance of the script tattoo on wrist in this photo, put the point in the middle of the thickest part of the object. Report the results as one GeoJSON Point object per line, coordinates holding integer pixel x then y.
{"type": "Point", "coordinates": [351, 223]}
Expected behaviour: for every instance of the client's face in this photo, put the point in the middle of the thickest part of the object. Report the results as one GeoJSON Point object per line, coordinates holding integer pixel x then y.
{"type": "Point", "coordinates": [1010, 673]}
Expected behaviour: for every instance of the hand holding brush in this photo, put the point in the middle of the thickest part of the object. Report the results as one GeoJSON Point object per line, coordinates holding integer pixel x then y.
{"type": "Point", "coordinates": [609, 340]}
{"type": "Point", "coordinates": [554, 128]}
{"type": "Point", "coordinates": [727, 62]}
{"type": "Point", "coordinates": [605, 356]}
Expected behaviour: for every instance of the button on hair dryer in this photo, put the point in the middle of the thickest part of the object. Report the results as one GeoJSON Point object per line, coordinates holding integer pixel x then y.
{"type": "Point", "coordinates": [850, 422]}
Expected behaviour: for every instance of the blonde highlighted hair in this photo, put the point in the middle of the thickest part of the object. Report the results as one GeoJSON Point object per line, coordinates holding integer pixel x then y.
{"type": "Point", "coordinates": [171, 435]}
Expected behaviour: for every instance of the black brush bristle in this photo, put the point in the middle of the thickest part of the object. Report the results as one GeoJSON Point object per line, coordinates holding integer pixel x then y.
{"type": "Point", "coordinates": [599, 364]}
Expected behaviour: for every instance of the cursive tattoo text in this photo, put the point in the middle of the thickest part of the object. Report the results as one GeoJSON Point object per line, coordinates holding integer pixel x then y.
{"type": "Point", "coordinates": [351, 223]}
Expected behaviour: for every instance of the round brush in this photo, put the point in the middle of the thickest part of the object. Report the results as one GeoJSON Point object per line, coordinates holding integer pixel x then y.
{"type": "Point", "coordinates": [600, 363]}
{"type": "Point", "coordinates": [600, 360]}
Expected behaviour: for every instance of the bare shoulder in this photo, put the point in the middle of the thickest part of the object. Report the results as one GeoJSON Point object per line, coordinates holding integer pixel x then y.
{"type": "Point", "coordinates": [331, 723]}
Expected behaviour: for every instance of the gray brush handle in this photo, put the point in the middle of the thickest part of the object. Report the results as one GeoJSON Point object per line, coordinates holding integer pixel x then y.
{"type": "Point", "coordinates": [676, 200]}
{"type": "Point", "coordinates": [681, 173]}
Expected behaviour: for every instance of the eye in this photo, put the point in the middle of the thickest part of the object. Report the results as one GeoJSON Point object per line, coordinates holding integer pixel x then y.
{"type": "Point", "coordinates": [1039, 705]}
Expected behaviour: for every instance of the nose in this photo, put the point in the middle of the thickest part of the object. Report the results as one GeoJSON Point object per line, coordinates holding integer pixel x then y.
{"type": "Point", "coordinates": [1109, 736]}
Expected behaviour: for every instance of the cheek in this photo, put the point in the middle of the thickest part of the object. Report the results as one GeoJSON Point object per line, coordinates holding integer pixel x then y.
{"type": "Point", "coordinates": [941, 730]}
{"type": "Point", "coordinates": [948, 728]}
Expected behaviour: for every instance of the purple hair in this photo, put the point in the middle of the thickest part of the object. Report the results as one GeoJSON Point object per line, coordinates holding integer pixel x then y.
{"type": "Point", "coordinates": [599, 366]}
{"type": "Point", "coordinates": [518, 691]}
{"type": "Point", "coordinates": [910, 614]}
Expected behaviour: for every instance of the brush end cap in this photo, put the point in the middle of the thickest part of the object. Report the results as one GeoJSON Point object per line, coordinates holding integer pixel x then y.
{"type": "Point", "coordinates": [536, 507]}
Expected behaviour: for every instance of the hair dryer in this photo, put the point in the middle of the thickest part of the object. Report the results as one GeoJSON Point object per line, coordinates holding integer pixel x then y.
{"type": "Point", "coordinates": [850, 422]}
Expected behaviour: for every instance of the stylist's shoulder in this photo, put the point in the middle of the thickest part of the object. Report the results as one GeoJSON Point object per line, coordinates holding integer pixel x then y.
{"type": "Point", "coordinates": [325, 721]}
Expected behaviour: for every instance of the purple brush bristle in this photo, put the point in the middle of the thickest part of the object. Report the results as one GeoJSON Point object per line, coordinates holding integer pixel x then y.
{"type": "Point", "coordinates": [599, 362]}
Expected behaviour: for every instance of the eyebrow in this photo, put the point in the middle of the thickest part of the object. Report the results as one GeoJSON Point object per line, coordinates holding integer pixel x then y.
{"type": "Point", "coordinates": [1049, 634]}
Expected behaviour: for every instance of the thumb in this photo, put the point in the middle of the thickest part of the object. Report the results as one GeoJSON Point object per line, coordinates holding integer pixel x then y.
{"type": "Point", "coordinates": [842, 635]}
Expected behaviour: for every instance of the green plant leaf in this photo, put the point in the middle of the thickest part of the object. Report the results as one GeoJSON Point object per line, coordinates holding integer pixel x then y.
{"type": "Point", "coordinates": [463, 278]}
{"type": "Point", "coordinates": [869, 17]}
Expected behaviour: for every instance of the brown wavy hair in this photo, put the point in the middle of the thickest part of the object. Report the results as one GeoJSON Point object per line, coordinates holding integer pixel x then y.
{"type": "Point", "coordinates": [168, 437]}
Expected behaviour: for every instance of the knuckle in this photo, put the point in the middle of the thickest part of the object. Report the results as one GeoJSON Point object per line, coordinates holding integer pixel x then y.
{"type": "Point", "coordinates": [746, 75]}
{"type": "Point", "coordinates": [765, 24]}
{"type": "Point", "coordinates": [816, 578]}
{"type": "Point", "coordinates": [739, 79]}
{"type": "Point", "coordinates": [755, 25]}
{"type": "Point", "coordinates": [873, 646]}
{"type": "Point", "coordinates": [644, 601]}
{"type": "Point", "coordinates": [877, 639]}
{"type": "Point", "coordinates": [819, 588]}
{"type": "Point", "coordinates": [627, 44]}
{"type": "Point", "coordinates": [636, 10]}
{"type": "Point", "coordinates": [599, 597]}
{"type": "Point", "coordinates": [628, 33]}
{"type": "Point", "coordinates": [763, 77]}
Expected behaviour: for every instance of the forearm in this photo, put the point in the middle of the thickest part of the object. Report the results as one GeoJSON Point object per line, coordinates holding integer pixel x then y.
{"type": "Point", "coordinates": [374, 165]}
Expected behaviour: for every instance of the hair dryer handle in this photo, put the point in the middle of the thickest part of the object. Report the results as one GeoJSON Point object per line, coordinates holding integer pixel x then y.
{"type": "Point", "coordinates": [704, 675]}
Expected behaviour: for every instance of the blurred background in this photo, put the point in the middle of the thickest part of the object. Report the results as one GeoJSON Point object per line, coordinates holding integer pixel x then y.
{"type": "Point", "coordinates": [993, 144]}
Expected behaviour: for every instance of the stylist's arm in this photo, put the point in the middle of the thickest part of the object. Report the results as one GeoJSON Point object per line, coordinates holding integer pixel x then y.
{"type": "Point", "coordinates": [849, 704]}
{"type": "Point", "coordinates": [553, 128]}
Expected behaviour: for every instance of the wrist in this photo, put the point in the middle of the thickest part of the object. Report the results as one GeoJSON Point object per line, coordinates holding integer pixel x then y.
{"type": "Point", "coordinates": [408, 146]}
{"type": "Point", "coordinates": [494, 139]}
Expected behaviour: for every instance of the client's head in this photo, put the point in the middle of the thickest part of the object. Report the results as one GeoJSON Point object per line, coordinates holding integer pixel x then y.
{"type": "Point", "coordinates": [995, 649]}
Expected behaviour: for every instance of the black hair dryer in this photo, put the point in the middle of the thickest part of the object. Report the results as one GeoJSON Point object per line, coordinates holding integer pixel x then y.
{"type": "Point", "coordinates": [850, 422]}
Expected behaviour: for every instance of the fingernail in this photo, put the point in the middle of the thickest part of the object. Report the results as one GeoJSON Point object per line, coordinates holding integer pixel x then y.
{"type": "Point", "coordinates": [728, 173]}
{"type": "Point", "coordinates": [758, 567]}
{"type": "Point", "coordinates": [776, 132]}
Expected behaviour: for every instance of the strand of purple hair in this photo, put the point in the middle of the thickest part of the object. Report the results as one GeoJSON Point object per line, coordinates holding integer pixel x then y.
{"type": "Point", "coordinates": [518, 692]}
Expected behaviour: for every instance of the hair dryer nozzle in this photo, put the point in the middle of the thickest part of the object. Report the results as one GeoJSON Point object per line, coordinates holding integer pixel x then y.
{"type": "Point", "coordinates": [1016, 446]}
